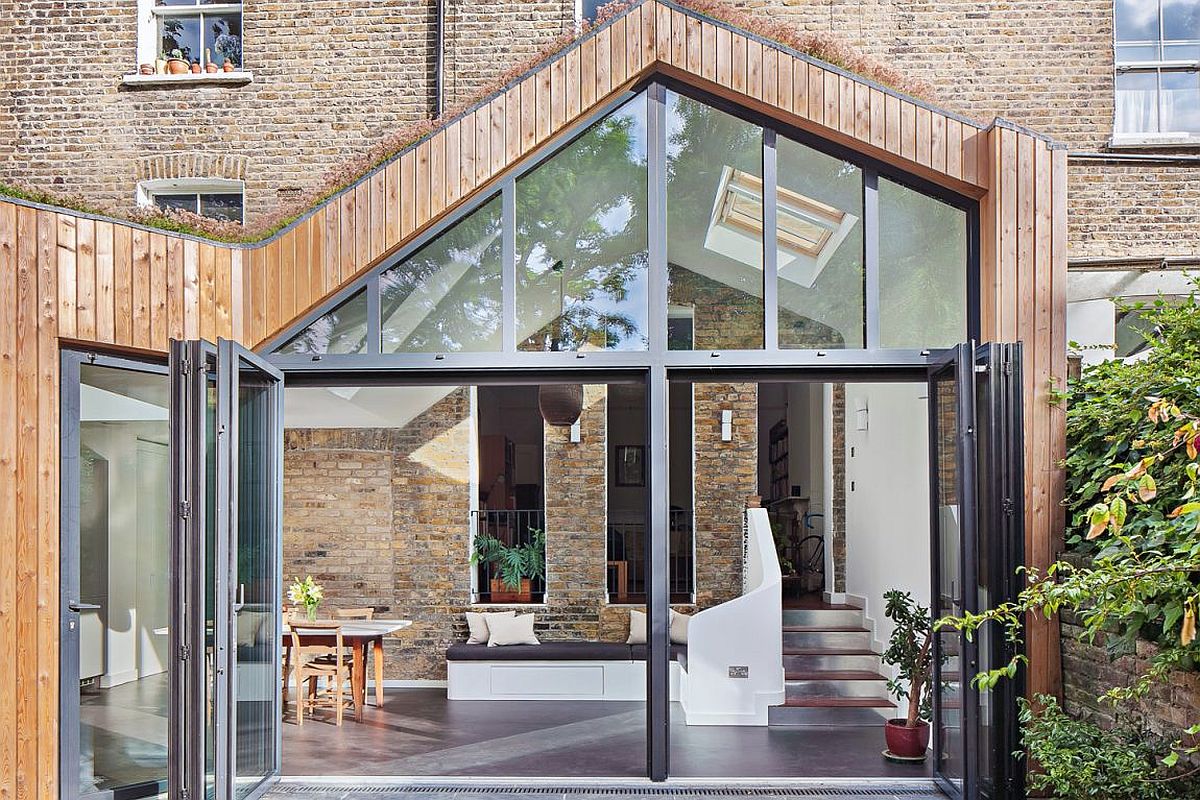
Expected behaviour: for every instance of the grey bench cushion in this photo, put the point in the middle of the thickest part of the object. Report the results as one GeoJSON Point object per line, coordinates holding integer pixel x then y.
{"type": "Point", "coordinates": [557, 651]}
{"type": "Point", "coordinates": [547, 651]}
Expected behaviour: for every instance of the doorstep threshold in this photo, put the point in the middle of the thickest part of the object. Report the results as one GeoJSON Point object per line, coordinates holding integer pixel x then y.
{"type": "Point", "coordinates": [715, 788]}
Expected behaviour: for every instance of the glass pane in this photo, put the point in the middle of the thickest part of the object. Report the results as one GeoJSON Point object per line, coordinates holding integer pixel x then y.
{"type": "Point", "coordinates": [1137, 52]}
{"type": "Point", "coordinates": [1137, 102]}
{"type": "Point", "coordinates": [186, 202]}
{"type": "Point", "coordinates": [820, 249]}
{"type": "Point", "coordinates": [223, 38]}
{"type": "Point", "coordinates": [343, 330]}
{"type": "Point", "coordinates": [446, 297]}
{"type": "Point", "coordinates": [1136, 20]}
{"type": "Point", "coordinates": [948, 595]}
{"type": "Point", "coordinates": [581, 241]}
{"type": "Point", "coordinates": [1181, 20]}
{"type": "Point", "coordinates": [123, 553]}
{"type": "Point", "coordinates": [1189, 51]}
{"type": "Point", "coordinates": [180, 34]}
{"type": "Point", "coordinates": [1180, 101]}
{"type": "Point", "coordinates": [714, 227]}
{"type": "Point", "coordinates": [256, 638]}
{"type": "Point", "coordinates": [922, 269]}
{"type": "Point", "coordinates": [210, 584]}
{"type": "Point", "coordinates": [227, 206]}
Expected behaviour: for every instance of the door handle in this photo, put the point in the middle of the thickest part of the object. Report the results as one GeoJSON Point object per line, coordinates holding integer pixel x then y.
{"type": "Point", "coordinates": [77, 607]}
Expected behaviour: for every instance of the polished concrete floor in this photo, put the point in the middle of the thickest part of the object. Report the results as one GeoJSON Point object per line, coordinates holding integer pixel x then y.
{"type": "Point", "coordinates": [418, 732]}
{"type": "Point", "coordinates": [123, 734]}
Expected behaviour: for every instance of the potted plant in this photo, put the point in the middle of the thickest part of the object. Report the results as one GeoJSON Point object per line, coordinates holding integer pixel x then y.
{"type": "Point", "coordinates": [209, 65]}
{"type": "Point", "coordinates": [514, 565]}
{"type": "Point", "coordinates": [146, 69]}
{"type": "Point", "coordinates": [176, 63]}
{"type": "Point", "coordinates": [910, 650]}
{"type": "Point", "coordinates": [227, 66]}
{"type": "Point", "coordinates": [196, 69]}
{"type": "Point", "coordinates": [307, 593]}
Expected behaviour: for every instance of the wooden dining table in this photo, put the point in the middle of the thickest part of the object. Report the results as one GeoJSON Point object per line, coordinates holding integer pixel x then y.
{"type": "Point", "coordinates": [357, 634]}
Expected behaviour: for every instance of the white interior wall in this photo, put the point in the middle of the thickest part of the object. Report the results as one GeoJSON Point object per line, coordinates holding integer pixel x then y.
{"type": "Point", "coordinates": [887, 496]}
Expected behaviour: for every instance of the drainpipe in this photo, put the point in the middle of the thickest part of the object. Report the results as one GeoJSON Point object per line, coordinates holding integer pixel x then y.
{"type": "Point", "coordinates": [439, 78]}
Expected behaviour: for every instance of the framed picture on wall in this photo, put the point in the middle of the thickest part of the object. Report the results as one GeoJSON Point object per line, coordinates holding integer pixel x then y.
{"type": "Point", "coordinates": [631, 465]}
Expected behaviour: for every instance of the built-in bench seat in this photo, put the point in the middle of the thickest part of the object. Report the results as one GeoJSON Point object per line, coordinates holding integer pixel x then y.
{"type": "Point", "coordinates": [564, 670]}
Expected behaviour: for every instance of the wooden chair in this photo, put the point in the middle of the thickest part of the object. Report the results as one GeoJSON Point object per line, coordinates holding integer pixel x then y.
{"type": "Point", "coordinates": [313, 660]}
{"type": "Point", "coordinates": [374, 653]}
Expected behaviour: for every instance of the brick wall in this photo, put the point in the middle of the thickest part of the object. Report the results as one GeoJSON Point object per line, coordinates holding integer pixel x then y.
{"type": "Point", "coordinates": [1167, 710]}
{"type": "Point", "coordinates": [331, 77]}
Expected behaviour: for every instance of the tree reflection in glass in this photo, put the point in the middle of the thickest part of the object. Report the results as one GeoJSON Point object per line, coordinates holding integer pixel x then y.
{"type": "Point", "coordinates": [581, 242]}
{"type": "Point", "coordinates": [341, 331]}
{"type": "Point", "coordinates": [446, 297]}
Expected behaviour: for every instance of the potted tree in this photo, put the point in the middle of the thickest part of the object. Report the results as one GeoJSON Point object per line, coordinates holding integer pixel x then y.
{"type": "Point", "coordinates": [910, 650]}
{"type": "Point", "coordinates": [514, 566]}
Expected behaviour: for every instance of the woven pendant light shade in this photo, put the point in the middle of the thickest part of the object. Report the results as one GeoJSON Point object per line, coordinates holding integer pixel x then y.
{"type": "Point", "coordinates": [560, 403]}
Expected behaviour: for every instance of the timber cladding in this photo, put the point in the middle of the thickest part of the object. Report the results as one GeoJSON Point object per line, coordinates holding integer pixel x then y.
{"type": "Point", "coordinates": [70, 277]}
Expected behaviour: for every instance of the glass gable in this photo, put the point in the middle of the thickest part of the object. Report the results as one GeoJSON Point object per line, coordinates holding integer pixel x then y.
{"type": "Point", "coordinates": [751, 238]}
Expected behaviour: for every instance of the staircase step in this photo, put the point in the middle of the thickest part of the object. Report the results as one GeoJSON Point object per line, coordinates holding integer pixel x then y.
{"type": "Point", "coordinates": [840, 615]}
{"type": "Point", "coordinates": [839, 702]}
{"type": "Point", "coordinates": [830, 659]}
{"type": "Point", "coordinates": [834, 675]}
{"type": "Point", "coordinates": [824, 628]}
{"type": "Point", "coordinates": [815, 687]}
{"type": "Point", "coordinates": [831, 712]}
{"type": "Point", "coordinates": [827, 639]}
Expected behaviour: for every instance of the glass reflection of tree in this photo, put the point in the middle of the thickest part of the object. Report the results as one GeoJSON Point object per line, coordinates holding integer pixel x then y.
{"type": "Point", "coordinates": [581, 239]}
{"type": "Point", "coordinates": [343, 330]}
{"type": "Point", "coordinates": [173, 38]}
{"type": "Point", "coordinates": [451, 287]}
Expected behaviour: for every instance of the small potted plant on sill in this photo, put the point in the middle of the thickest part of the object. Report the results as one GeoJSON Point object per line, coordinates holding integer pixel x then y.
{"type": "Point", "coordinates": [146, 69]}
{"type": "Point", "coordinates": [228, 66]}
{"type": "Point", "coordinates": [910, 650]}
{"type": "Point", "coordinates": [210, 66]}
{"type": "Point", "coordinates": [307, 593]}
{"type": "Point", "coordinates": [176, 63]}
{"type": "Point", "coordinates": [196, 69]}
{"type": "Point", "coordinates": [515, 565]}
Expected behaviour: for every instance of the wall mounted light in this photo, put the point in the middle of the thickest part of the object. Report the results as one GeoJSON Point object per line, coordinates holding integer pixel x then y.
{"type": "Point", "coordinates": [576, 433]}
{"type": "Point", "coordinates": [726, 425]}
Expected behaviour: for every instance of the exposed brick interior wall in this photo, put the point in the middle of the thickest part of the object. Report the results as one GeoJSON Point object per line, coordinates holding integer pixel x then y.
{"type": "Point", "coordinates": [1087, 673]}
{"type": "Point", "coordinates": [837, 526]}
{"type": "Point", "coordinates": [726, 477]}
{"type": "Point", "coordinates": [380, 517]}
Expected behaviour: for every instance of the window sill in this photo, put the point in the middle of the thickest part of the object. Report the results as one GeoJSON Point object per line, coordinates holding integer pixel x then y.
{"type": "Point", "coordinates": [237, 78]}
{"type": "Point", "coordinates": [1152, 141]}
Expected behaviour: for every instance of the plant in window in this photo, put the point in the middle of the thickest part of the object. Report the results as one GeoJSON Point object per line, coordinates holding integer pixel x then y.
{"type": "Point", "coordinates": [176, 63]}
{"type": "Point", "coordinates": [229, 50]}
{"type": "Point", "coordinates": [515, 565]}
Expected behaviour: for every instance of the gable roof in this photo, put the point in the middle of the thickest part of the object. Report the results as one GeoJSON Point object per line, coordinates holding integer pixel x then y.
{"type": "Point", "coordinates": [258, 290]}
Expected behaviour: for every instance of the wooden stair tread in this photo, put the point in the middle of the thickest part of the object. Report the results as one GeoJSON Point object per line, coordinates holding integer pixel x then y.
{"type": "Point", "coordinates": [838, 702]}
{"type": "Point", "coordinates": [834, 675]}
{"type": "Point", "coordinates": [829, 652]}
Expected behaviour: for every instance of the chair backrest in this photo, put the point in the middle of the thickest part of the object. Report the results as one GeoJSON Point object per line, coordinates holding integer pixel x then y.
{"type": "Point", "coordinates": [312, 639]}
{"type": "Point", "coordinates": [354, 613]}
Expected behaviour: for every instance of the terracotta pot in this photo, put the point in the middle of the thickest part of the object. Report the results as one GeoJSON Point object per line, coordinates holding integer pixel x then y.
{"type": "Point", "coordinates": [195, 67]}
{"type": "Point", "coordinates": [160, 66]}
{"type": "Point", "coordinates": [211, 67]}
{"type": "Point", "coordinates": [146, 69]}
{"type": "Point", "coordinates": [904, 741]}
{"type": "Point", "coordinates": [502, 594]}
{"type": "Point", "coordinates": [228, 67]}
{"type": "Point", "coordinates": [176, 66]}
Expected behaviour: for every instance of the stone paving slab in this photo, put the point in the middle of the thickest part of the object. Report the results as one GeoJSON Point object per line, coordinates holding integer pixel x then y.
{"type": "Point", "coordinates": [345, 790]}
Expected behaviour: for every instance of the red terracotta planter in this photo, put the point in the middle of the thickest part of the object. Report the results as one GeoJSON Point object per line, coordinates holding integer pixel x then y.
{"type": "Point", "coordinates": [503, 594]}
{"type": "Point", "coordinates": [904, 741]}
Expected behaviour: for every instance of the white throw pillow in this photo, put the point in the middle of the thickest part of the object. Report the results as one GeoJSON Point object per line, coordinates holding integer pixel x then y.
{"type": "Point", "coordinates": [679, 627]}
{"type": "Point", "coordinates": [477, 624]}
{"type": "Point", "coordinates": [637, 627]}
{"type": "Point", "coordinates": [511, 630]}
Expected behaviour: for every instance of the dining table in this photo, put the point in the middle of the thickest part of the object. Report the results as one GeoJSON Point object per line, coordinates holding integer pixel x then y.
{"type": "Point", "coordinates": [357, 634]}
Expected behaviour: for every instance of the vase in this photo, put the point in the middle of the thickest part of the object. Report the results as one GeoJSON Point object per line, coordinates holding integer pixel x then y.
{"type": "Point", "coordinates": [312, 612]}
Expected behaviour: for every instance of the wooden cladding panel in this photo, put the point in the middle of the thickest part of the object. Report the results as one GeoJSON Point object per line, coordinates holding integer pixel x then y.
{"type": "Point", "coordinates": [105, 281]}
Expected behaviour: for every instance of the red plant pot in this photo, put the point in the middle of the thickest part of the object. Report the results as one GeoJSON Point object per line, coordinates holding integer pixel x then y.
{"type": "Point", "coordinates": [904, 741]}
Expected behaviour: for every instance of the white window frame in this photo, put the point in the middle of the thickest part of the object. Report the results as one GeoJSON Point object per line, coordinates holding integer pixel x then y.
{"type": "Point", "coordinates": [146, 190]}
{"type": "Point", "coordinates": [1157, 68]}
{"type": "Point", "coordinates": [149, 43]}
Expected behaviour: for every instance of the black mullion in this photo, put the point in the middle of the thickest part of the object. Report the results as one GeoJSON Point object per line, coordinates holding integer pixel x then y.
{"type": "Point", "coordinates": [871, 283]}
{"type": "Point", "coordinates": [658, 652]}
{"type": "Point", "coordinates": [508, 274]}
{"type": "Point", "coordinates": [770, 255]}
{"type": "Point", "coordinates": [656, 216]}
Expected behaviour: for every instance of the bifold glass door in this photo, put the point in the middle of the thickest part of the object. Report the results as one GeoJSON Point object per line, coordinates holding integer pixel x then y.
{"type": "Point", "coordinates": [975, 424]}
{"type": "Point", "coordinates": [226, 460]}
